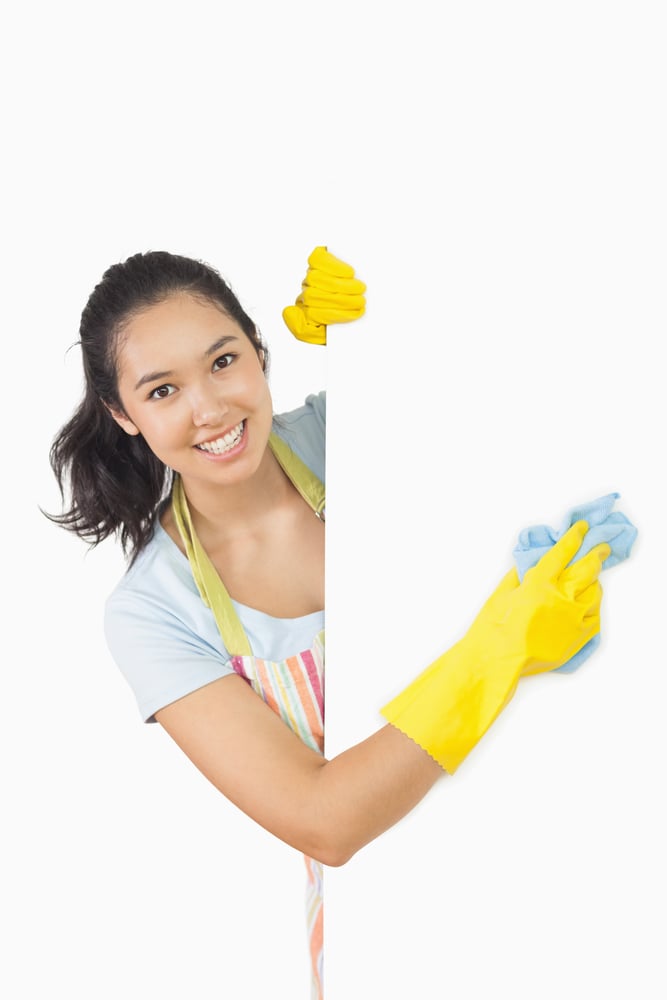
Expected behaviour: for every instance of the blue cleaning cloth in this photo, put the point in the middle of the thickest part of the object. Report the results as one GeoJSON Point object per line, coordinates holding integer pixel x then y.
{"type": "Point", "coordinates": [605, 525]}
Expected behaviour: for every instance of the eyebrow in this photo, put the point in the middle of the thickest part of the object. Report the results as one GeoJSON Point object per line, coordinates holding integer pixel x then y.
{"type": "Point", "coordinates": [157, 376]}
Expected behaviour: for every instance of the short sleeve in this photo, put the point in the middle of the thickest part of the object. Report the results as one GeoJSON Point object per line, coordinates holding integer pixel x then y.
{"type": "Point", "coordinates": [165, 645]}
{"type": "Point", "coordinates": [304, 429]}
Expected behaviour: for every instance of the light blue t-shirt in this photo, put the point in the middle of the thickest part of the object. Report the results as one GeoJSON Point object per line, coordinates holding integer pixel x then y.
{"type": "Point", "coordinates": [159, 631]}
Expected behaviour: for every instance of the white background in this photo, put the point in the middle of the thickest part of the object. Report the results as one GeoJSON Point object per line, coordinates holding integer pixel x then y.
{"type": "Point", "coordinates": [495, 172]}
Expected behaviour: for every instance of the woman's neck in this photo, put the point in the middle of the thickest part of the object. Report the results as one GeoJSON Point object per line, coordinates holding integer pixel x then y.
{"type": "Point", "coordinates": [222, 513]}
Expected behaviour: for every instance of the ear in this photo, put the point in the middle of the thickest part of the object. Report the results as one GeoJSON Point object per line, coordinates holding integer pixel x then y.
{"type": "Point", "coordinates": [123, 421]}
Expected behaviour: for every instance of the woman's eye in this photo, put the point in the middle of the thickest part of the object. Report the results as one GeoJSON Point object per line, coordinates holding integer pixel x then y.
{"type": "Point", "coordinates": [223, 362]}
{"type": "Point", "coordinates": [162, 392]}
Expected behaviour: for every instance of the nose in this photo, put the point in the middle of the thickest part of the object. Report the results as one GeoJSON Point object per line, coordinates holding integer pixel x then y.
{"type": "Point", "coordinates": [208, 405]}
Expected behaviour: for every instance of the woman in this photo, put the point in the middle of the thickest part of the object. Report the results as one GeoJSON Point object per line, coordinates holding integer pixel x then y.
{"type": "Point", "coordinates": [220, 506]}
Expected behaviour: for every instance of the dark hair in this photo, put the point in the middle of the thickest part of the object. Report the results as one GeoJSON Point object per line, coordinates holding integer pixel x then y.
{"type": "Point", "coordinates": [116, 482]}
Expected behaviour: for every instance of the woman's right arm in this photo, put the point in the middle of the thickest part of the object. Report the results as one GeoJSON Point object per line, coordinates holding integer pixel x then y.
{"type": "Point", "coordinates": [328, 809]}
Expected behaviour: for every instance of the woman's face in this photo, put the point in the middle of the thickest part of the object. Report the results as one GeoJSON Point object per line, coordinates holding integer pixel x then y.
{"type": "Point", "coordinates": [192, 384]}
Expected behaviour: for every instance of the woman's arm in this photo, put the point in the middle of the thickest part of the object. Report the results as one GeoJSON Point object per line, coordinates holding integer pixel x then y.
{"type": "Point", "coordinates": [328, 809]}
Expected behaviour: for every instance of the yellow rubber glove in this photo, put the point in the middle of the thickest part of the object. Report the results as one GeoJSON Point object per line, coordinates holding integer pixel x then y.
{"type": "Point", "coordinates": [330, 293]}
{"type": "Point", "coordinates": [524, 628]}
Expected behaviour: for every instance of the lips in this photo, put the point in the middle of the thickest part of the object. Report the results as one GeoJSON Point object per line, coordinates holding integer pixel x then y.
{"type": "Point", "coordinates": [218, 446]}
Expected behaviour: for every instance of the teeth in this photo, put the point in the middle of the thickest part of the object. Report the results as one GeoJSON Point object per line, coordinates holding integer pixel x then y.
{"type": "Point", "coordinates": [225, 443]}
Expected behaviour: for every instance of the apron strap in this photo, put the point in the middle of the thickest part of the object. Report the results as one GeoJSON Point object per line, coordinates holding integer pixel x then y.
{"type": "Point", "coordinates": [212, 590]}
{"type": "Point", "coordinates": [305, 481]}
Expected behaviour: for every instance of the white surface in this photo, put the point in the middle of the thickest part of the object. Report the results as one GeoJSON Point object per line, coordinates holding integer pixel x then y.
{"type": "Point", "coordinates": [495, 173]}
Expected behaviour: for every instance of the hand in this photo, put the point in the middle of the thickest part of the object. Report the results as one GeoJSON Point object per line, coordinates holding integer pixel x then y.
{"type": "Point", "coordinates": [543, 621]}
{"type": "Point", "coordinates": [523, 628]}
{"type": "Point", "coordinates": [330, 293]}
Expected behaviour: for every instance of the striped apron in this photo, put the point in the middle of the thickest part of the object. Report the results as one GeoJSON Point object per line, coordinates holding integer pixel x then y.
{"type": "Point", "coordinates": [293, 688]}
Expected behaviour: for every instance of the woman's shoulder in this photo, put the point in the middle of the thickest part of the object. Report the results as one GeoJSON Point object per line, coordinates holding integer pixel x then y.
{"type": "Point", "coordinates": [311, 415]}
{"type": "Point", "coordinates": [158, 588]}
{"type": "Point", "coordinates": [159, 631]}
{"type": "Point", "coordinates": [157, 565]}
{"type": "Point", "coordinates": [304, 429]}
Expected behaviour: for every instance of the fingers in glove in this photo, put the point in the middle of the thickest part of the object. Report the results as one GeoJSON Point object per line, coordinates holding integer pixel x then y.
{"type": "Point", "coordinates": [316, 297]}
{"type": "Point", "coordinates": [330, 283]}
{"type": "Point", "coordinates": [322, 260]}
{"type": "Point", "coordinates": [303, 327]}
{"type": "Point", "coordinates": [577, 577]}
{"type": "Point", "coordinates": [329, 314]}
{"type": "Point", "coordinates": [556, 559]}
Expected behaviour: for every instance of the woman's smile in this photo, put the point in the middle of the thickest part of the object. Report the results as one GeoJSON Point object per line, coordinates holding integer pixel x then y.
{"type": "Point", "coordinates": [227, 444]}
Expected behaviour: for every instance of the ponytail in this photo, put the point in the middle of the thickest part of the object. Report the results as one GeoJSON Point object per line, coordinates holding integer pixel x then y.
{"type": "Point", "coordinates": [115, 481]}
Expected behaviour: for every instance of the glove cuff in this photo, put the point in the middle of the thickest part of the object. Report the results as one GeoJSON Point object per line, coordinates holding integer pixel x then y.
{"type": "Point", "coordinates": [450, 706]}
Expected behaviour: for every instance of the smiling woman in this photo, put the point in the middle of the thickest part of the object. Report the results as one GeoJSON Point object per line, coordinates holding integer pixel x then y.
{"type": "Point", "coordinates": [205, 414]}
{"type": "Point", "coordinates": [218, 624]}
